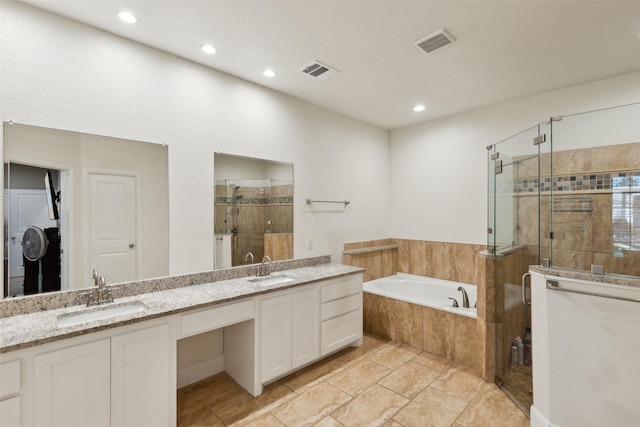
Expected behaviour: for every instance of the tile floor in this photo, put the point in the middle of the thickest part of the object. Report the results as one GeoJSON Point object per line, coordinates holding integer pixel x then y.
{"type": "Point", "coordinates": [381, 383]}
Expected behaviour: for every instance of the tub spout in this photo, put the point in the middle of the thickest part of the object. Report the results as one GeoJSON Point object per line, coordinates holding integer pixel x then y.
{"type": "Point", "coordinates": [465, 297]}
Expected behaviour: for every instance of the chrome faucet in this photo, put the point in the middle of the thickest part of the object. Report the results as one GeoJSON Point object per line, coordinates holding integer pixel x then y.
{"type": "Point", "coordinates": [100, 294]}
{"type": "Point", "coordinates": [249, 255]}
{"type": "Point", "coordinates": [264, 269]}
{"type": "Point", "coordinates": [465, 297]}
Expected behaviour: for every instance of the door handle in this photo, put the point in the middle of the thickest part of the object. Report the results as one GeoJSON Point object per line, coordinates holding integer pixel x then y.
{"type": "Point", "coordinates": [131, 246]}
{"type": "Point", "coordinates": [524, 288]}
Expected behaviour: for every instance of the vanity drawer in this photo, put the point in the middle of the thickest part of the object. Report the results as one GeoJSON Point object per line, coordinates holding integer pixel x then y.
{"type": "Point", "coordinates": [340, 331]}
{"type": "Point", "coordinates": [9, 378]}
{"type": "Point", "coordinates": [215, 317]}
{"type": "Point", "coordinates": [340, 306]}
{"type": "Point", "coordinates": [341, 288]}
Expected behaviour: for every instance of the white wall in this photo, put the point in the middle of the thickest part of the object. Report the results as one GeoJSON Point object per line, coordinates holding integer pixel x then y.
{"type": "Point", "coordinates": [61, 74]}
{"type": "Point", "coordinates": [438, 169]}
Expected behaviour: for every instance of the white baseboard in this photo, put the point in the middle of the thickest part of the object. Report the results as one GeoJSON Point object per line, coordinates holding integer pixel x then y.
{"type": "Point", "coordinates": [198, 371]}
{"type": "Point", "coordinates": [538, 420]}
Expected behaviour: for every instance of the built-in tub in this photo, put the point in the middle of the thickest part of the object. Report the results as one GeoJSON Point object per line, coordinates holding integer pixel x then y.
{"type": "Point", "coordinates": [425, 291]}
{"type": "Point", "coordinates": [417, 311]}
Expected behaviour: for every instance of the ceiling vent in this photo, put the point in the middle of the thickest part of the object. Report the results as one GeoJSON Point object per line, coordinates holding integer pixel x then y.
{"type": "Point", "coordinates": [435, 41]}
{"type": "Point", "coordinates": [319, 70]}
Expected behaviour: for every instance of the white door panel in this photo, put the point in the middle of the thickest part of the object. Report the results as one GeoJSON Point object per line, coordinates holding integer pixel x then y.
{"type": "Point", "coordinates": [28, 208]}
{"type": "Point", "coordinates": [112, 220]}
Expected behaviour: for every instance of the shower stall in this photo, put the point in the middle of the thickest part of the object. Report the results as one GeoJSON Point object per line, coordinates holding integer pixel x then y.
{"type": "Point", "coordinates": [564, 193]}
{"type": "Point", "coordinates": [257, 215]}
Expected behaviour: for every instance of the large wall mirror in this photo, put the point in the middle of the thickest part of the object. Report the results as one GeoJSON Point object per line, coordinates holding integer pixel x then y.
{"type": "Point", "coordinates": [253, 210]}
{"type": "Point", "coordinates": [76, 202]}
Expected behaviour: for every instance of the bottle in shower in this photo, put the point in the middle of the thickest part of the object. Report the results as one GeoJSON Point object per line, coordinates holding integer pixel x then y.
{"type": "Point", "coordinates": [520, 349]}
{"type": "Point", "coordinates": [527, 347]}
{"type": "Point", "coordinates": [514, 357]}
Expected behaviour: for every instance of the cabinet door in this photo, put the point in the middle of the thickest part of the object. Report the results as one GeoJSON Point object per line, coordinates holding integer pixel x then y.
{"type": "Point", "coordinates": [141, 388]}
{"type": "Point", "coordinates": [72, 386]}
{"type": "Point", "coordinates": [275, 336]}
{"type": "Point", "coordinates": [305, 314]}
{"type": "Point", "coordinates": [10, 412]}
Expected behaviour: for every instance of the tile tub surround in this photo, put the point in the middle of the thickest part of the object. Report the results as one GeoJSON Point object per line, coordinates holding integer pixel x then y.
{"type": "Point", "coordinates": [40, 327]}
{"type": "Point", "coordinates": [443, 260]}
{"type": "Point", "coordinates": [444, 334]}
{"type": "Point", "coordinates": [381, 383]}
{"type": "Point", "coordinates": [460, 262]}
{"type": "Point", "coordinates": [54, 300]}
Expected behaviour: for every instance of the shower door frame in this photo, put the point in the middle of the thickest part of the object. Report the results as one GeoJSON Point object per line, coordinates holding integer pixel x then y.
{"type": "Point", "coordinates": [519, 184]}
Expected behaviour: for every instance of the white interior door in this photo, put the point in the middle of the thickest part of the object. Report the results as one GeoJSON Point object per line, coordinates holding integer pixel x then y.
{"type": "Point", "coordinates": [27, 208]}
{"type": "Point", "coordinates": [112, 223]}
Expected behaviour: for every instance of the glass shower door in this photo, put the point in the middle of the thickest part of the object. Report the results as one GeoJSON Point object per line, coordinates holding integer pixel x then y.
{"type": "Point", "coordinates": [516, 201]}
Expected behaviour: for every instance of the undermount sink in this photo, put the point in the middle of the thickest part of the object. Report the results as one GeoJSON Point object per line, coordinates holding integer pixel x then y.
{"type": "Point", "coordinates": [271, 280]}
{"type": "Point", "coordinates": [100, 313]}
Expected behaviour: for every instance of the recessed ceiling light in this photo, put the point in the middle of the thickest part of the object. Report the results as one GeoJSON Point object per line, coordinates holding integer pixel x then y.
{"type": "Point", "coordinates": [127, 17]}
{"type": "Point", "coordinates": [207, 48]}
{"type": "Point", "coordinates": [269, 73]}
{"type": "Point", "coordinates": [419, 108]}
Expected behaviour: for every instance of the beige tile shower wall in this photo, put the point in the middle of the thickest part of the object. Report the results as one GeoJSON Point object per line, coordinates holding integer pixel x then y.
{"type": "Point", "coordinates": [281, 217]}
{"type": "Point", "coordinates": [251, 233]}
{"type": "Point", "coordinates": [278, 246]}
{"type": "Point", "coordinates": [580, 238]}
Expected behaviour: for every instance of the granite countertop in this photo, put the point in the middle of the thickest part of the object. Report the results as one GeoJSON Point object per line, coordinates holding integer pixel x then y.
{"type": "Point", "coordinates": [27, 330]}
{"type": "Point", "coordinates": [615, 279]}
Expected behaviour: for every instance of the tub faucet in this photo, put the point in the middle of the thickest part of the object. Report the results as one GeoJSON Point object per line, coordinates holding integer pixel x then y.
{"type": "Point", "coordinates": [249, 255]}
{"type": "Point", "coordinates": [465, 297]}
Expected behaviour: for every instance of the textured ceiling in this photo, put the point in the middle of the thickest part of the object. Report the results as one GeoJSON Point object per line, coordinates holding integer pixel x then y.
{"type": "Point", "coordinates": [504, 49]}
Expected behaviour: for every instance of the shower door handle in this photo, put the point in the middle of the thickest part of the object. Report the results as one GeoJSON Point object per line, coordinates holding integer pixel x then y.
{"type": "Point", "coordinates": [524, 289]}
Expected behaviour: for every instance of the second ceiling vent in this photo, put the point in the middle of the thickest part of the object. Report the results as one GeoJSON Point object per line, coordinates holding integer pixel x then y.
{"type": "Point", "coordinates": [435, 41]}
{"type": "Point", "coordinates": [319, 70]}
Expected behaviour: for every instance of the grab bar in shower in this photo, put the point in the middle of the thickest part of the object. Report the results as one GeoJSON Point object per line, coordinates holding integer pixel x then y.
{"type": "Point", "coordinates": [554, 285]}
{"type": "Point", "coordinates": [345, 202]}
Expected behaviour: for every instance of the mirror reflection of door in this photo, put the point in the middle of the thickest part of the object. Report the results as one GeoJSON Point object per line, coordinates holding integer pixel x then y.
{"type": "Point", "coordinates": [112, 208]}
{"type": "Point", "coordinates": [26, 206]}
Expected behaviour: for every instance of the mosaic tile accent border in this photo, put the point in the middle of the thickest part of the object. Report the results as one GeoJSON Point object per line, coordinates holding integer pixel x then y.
{"type": "Point", "coordinates": [254, 201]}
{"type": "Point", "coordinates": [580, 182]}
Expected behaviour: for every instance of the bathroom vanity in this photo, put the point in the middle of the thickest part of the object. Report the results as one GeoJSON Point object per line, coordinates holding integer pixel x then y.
{"type": "Point", "coordinates": [121, 370]}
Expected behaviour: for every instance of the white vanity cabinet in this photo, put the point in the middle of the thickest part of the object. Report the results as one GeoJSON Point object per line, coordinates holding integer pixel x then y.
{"type": "Point", "coordinates": [10, 388]}
{"type": "Point", "coordinates": [341, 313]}
{"type": "Point", "coordinates": [72, 385]}
{"type": "Point", "coordinates": [143, 378]}
{"type": "Point", "coordinates": [299, 326]}
{"type": "Point", "coordinates": [289, 336]}
{"type": "Point", "coordinates": [119, 377]}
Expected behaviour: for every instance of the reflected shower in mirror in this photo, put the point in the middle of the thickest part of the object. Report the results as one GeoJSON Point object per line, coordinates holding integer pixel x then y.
{"type": "Point", "coordinates": [253, 210]}
{"type": "Point", "coordinates": [111, 198]}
